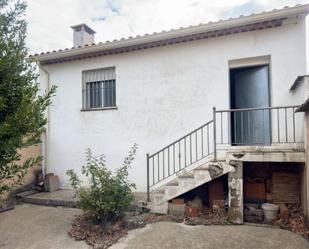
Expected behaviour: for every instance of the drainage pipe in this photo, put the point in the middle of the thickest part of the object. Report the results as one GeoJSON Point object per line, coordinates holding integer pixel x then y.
{"type": "Point", "coordinates": [45, 135]}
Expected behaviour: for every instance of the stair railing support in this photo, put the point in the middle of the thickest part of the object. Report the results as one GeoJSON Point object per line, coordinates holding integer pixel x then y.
{"type": "Point", "coordinates": [215, 133]}
{"type": "Point", "coordinates": [148, 188]}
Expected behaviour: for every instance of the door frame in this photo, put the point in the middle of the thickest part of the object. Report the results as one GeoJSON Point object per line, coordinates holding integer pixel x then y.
{"type": "Point", "coordinates": [247, 63]}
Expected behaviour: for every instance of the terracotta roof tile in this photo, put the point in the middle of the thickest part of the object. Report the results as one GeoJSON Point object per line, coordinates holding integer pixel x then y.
{"type": "Point", "coordinates": [163, 31]}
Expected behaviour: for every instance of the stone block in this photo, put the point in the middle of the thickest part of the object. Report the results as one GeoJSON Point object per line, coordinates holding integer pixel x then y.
{"type": "Point", "coordinates": [176, 209]}
{"type": "Point", "coordinates": [159, 208]}
{"type": "Point", "coordinates": [202, 175]}
{"type": "Point", "coordinates": [186, 182]}
{"type": "Point", "coordinates": [215, 170]}
{"type": "Point", "coordinates": [51, 183]}
{"type": "Point", "coordinates": [171, 191]}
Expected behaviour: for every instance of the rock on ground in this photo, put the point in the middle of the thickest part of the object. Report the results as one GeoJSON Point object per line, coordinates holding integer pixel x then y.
{"type": "Point", "coordinates": [36, 227]}
{"type": "Point", "coordinates": [165, 235]}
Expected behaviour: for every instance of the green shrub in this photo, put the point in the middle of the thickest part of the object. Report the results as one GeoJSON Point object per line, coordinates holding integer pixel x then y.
{"type": "Point", "coordinates": [107, 195]}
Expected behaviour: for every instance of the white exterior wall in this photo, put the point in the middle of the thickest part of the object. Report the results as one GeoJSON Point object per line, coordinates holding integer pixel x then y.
{"type": "Point", "coordinates": [162, 93]}
{"type": "Point", "coordinates": [307, 44]}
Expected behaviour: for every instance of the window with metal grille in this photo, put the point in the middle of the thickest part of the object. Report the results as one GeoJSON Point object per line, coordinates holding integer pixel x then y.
{"type": "Point", "coordinates": [99, 88]}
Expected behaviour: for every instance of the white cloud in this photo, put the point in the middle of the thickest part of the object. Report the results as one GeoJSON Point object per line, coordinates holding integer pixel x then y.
{"type": "Point", "coordinates": [50, 21]}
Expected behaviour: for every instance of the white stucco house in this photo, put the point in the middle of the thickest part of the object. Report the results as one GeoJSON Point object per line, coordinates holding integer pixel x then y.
{"type": "Point", "coordinates": [160, 90]}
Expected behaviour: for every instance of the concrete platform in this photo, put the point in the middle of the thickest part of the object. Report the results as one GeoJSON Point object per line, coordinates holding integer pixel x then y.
{"type": "Point", "coordinates": [63, 198]}
{"type": "Point", "coordinates": [38, 227]}
{"type": "Point", "coordinates": [165, 235]}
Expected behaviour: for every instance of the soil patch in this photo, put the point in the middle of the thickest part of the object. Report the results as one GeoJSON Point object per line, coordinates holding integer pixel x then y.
{"type": "Point", "coordinates": [296, 221]}
{"type": "Point", "coordinates": [209, 216]}
{"type": "Point", "coordinates": [101, 236]}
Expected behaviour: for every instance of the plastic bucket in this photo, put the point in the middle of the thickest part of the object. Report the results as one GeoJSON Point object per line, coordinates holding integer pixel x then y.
{"type": "Point", "coordinates": [270, 211]}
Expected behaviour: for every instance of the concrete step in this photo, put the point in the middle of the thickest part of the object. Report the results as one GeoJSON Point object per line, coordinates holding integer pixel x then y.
{"type": "Point", "coordinates": [186, 182]}
{"type": "Point", "coordinates": [195, 178]}
{"type": "Point", "coordinates": [203, 167]}
{"type": "Point", "coordinates": [171, 191]}
{"type": "Point", "coordinates": [159, 191]}
{"type": "Point", "coordinates": [173, 183]}
{"type": "Point", "coordinates": [201, 174]}
{"type": "Point", "coordinates": [159, 208]}
{"type": "Point", "coordinates": [26, 193]}
{"type": "Point", "coordinates": [63, 198]}
{"type": "Point", "coordinates": [187, 175]}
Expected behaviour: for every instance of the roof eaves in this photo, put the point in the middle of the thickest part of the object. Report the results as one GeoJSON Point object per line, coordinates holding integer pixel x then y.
{"type": "Point", "coordinates": [183, 31]}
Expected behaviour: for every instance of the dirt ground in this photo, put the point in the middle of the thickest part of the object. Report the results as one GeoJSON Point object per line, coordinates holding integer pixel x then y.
{"type": "Point", "coordinates": [32, 227]}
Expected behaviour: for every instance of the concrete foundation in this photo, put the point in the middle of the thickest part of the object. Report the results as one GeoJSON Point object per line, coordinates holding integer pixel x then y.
{"type": "Point", "coordinates": [235, 181]}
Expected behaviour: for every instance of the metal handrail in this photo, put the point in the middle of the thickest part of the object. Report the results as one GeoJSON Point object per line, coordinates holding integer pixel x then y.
{"type": "Point", "coordinates": [258, 108]}
{"type": "Point", "coordinates": [178, 155]}
{"type": "Point", "coordinates": [188, 134]}
{"type": "Point", "coordinates": [271, 125]}
{"type": "Point", "coordinates": [213, 138]}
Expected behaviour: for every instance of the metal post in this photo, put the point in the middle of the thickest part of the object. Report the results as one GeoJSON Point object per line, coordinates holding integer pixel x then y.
{"type": "Point", "coordinates": [148, 194]}
{"type": "Point", "coordinates": [215, 134]}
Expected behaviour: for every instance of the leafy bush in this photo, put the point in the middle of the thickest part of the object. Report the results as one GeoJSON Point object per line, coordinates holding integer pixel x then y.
{"type": "Point", "coordinates": [108, 194]}
{"type": "Point", "coordinates": [22, 108]}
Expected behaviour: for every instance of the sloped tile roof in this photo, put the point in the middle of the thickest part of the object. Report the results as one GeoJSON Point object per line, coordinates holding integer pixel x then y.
{"type": "Point", "coordinates": [182, 34]}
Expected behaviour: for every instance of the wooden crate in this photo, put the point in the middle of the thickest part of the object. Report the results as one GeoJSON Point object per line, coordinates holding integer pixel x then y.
{"type": "Point", "coordinates": [286, 187]}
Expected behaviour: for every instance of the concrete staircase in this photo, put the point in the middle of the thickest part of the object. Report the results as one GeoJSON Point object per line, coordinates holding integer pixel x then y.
{"type": "Point", "coordinates": [186, 182]}
{"type": "Point", "coordinates": [212, 150]}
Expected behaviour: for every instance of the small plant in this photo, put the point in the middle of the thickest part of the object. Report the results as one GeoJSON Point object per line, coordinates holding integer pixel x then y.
{"type": "Point", "coordinates": [108, 194]}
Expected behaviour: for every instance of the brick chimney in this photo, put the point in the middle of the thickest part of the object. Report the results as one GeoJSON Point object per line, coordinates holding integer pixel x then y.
{"type": "Point", "coordinates": [82, 35]}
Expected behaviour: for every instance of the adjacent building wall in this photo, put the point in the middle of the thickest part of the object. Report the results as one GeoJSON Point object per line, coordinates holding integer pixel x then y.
{"type": "Point", "coordinates": [31, 176]}
{"type": "Point", "coordinates": [162, 93]}
{"type": "Point", "coordinates": [32, 151]}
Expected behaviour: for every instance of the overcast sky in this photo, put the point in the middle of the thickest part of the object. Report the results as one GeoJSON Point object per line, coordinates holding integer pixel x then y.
{"type": "Point", "coordinates": [49, 21]}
